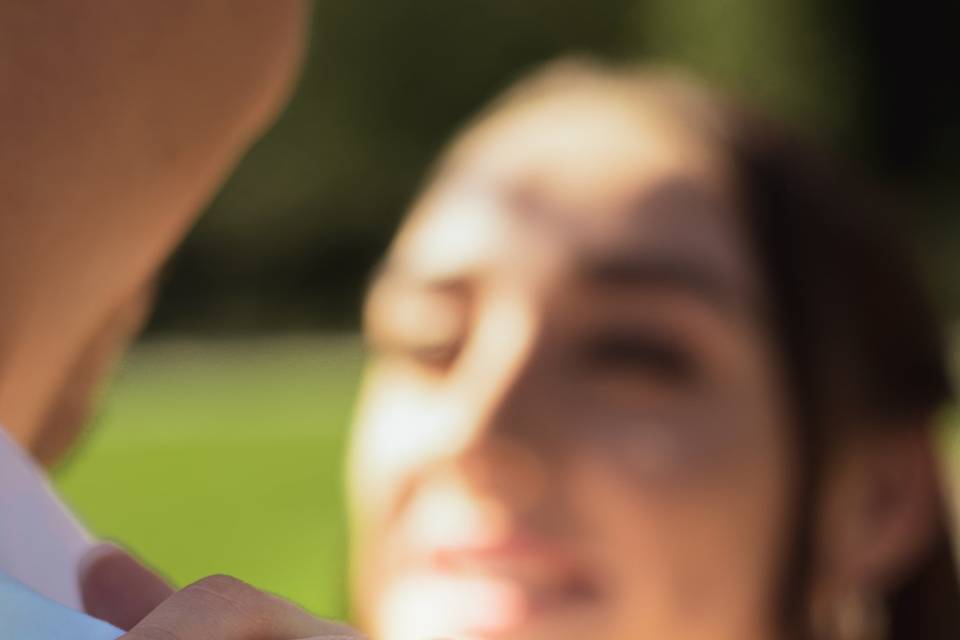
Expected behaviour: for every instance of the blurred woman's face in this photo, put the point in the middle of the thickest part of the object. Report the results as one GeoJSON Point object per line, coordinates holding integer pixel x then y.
{"type": "Point", "coordinates": [573, 423]}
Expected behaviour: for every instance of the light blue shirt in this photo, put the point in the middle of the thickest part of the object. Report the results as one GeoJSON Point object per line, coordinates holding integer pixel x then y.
{"type": "Point", "coordinates": [24, 615]}
{"type": "Point", "coordinates": [40, 549]}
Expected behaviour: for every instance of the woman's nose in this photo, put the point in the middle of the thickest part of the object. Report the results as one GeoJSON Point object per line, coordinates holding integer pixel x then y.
{"type": "Point", "coordinates": [508, 469]}
{"type": "Point", "coordinates": [491, 374]}
{"type": "Point", "coordinates": [495, 381]}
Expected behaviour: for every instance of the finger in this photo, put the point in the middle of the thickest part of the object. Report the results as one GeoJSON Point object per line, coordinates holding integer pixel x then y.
{"type": "Point", "coordinates": [224, 608]}
{"type": "Point", "coordinates": [117, 588]}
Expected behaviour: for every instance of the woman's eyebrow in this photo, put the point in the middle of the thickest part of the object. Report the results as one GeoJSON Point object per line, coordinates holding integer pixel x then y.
{"type": "Point", "coordinates": [637, 271]}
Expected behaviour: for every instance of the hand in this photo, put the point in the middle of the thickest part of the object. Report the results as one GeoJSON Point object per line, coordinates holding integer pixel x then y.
{"type": "Point", "coordinates": [117, 588]}
{"type": "Point", "coordinates": [120, 590]}
{"type": "Point", "coordinates": [224, 608]}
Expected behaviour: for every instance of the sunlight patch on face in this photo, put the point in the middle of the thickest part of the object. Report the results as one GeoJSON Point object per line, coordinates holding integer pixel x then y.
{"type": "Point", "coordinates": [398, 432]}
{"type": "Point", "coordinates": [447, 514]}
{"type": "Point", "coordinates": [422, 606]}
{"type": "Point", "coordinates": [462, 231]}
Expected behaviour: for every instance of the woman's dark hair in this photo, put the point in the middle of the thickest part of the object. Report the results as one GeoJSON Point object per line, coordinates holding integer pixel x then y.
{"type": "Point", "coordinates": [861, 344]}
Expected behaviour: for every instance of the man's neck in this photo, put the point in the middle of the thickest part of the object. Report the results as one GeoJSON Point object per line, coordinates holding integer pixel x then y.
{"type": "Point", "coordinates": [33, 368]}
{"type": "Point", "coordinates": [19, 405]}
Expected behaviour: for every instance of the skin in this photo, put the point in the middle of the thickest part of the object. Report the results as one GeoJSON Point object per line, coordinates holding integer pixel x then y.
{"type": "Point", "coordinates": [71, 410]}
{"type": "Point", "coordinates": [574, 421]}
{"type": "Point", "coordinates": [129, 115]}
{"type": "Point", "coordinates": [223, 608]}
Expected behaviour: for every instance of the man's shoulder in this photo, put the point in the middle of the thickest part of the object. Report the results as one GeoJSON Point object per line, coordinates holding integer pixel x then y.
{"type": "Point", "coordinates": [26, 615]}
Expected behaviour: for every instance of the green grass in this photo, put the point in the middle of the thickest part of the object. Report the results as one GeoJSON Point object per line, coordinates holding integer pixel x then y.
{"type": "Point", "coordinates": [226, 457]}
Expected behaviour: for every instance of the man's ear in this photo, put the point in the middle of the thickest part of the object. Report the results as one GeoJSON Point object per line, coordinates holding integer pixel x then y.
{"type": "Point", "coordinates": [880, 509]}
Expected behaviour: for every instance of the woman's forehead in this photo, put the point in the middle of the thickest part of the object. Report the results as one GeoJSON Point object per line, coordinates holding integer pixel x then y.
{"type": "Point", "coordinates": [603, 144]}
{"type": "Point", "coordinates": [588, 174]}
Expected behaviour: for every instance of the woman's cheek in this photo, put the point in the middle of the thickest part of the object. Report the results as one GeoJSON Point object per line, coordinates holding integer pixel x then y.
{"type": "Point", "coordinates": [692, 561]}
{"type": "Point", "coordinates": [403, 426]}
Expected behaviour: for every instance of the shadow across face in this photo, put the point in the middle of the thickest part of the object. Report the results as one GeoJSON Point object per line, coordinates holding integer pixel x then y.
{"type": "Point", "coordinates": [573, 421]}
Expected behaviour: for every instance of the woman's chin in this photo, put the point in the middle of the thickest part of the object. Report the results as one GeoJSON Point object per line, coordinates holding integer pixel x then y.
{"type": "Point", "coordinates": [482, 607]}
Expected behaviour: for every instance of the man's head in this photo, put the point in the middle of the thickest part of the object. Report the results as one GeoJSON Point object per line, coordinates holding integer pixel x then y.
{"type": "Point", "coordinates": [121, 120]}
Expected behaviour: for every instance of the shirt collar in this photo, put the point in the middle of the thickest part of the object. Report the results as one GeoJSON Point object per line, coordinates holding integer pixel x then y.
{"type": "Point", "coordinates": [41, 542]}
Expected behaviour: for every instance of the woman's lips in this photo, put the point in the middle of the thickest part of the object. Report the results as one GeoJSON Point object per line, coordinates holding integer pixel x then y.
{"type": "Point", "coordinates": [534, 564]}
{"type": "Point", "coordinates": [493, 589]}
{"type": "Point", "coordinates": [463, 567]}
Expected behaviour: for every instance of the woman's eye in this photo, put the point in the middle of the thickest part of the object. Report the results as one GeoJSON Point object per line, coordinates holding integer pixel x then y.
{"type": "Point", "coordinates": [432, 352]}
{"type": "Point", "coordinates": [423, 328]}
{"type": "Point", "coordinates": [436, 356]}
{"type": "Point", "coordinates": [642, 355]}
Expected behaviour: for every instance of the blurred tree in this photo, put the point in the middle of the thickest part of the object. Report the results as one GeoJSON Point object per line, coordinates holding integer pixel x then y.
{"type": "Point", "coordinates": [874, 79]}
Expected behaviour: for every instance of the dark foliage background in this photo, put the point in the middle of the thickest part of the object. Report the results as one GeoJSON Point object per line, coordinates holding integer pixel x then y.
{"type": "Point", "coordinates": [289, 241]}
